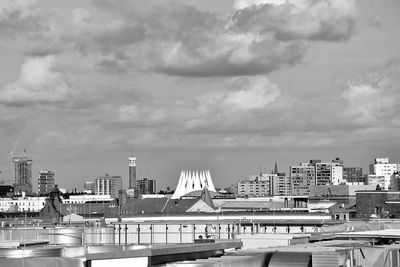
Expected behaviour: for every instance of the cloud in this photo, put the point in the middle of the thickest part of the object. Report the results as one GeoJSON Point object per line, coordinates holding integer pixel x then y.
{"type": "Point", "coordinates": [373, 98]}
{"type": "Point", "coordinates": [39, 81]}
{"type": "Point", "coordinates": [237, 108]}
{"type": "Point", "coordinates": [243, 94]}
{"type": "Point", "coordinates": [81, 17]}
{"type": "Point", "coordinates": [180, 40]}
{"type": "Point", "coordinates": [10, 9]}
{"type": "Point", "coordinates": [133, 113]}
{"type": "Point", "coordinates": [17, 17]}
{"type": "Point", "coordinates": [329, 20]}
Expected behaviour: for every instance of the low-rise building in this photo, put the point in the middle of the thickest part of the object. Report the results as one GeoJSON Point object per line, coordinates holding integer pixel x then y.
{"type": "Point", "coordinates": [378, 204]}
{"type": "Point", "coordinates": [257, 185]}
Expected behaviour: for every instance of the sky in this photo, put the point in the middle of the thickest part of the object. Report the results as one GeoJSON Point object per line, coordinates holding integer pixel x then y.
{"type": "Point", "coordinates": [226, 86]}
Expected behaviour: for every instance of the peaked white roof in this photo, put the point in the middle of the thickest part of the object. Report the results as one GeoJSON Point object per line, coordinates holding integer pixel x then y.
{"type": "Point", "coordinates": [190, 181]}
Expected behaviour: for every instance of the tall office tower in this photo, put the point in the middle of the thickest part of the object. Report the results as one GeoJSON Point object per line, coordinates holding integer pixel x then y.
{"type": "Point", "coordinates": [301, 178]}
{"type": "Point", "coordinates": [23, 174]}
{"type": "Point", "coordinates": [353, 174]}
{"type": "Point", "coordinates": [46, 181]}
{"type": "Point", "coordinates": [146, 186]}
{"type": "Point", "coordinates": [108, 185]}
{"type": "Point", "coordinates": [132, 172]}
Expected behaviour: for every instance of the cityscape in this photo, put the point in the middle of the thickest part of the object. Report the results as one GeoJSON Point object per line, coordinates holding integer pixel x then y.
{"type": "Point", "coordinates": [199, 133]}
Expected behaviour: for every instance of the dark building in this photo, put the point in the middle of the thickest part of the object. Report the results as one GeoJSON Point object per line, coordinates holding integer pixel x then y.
{"type": "Point", "coordinates": [353, 174]}
{"type": "Point", "coordinates": [301, 178]}
{"type": "Point", "coordinates": [46, 181]}
{"type": "Point", "coordinates": [146, 186]}
{"type": "Point", "coordinates": [23, 174]}
{"type": "Point", "coordinates": [6, 190]}
{"type": "Point", "coordinates": [132, 172]}
{"type": "Point", "coordinates": [378, 204]}
{"type": "Point", "coordinates": [323, 173]}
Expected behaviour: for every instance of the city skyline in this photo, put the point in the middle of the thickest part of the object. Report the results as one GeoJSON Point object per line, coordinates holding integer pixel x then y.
{"type": "Point", "coordinates": [223, 86]}
{"type": "Point", "coordinates": [125, 181]}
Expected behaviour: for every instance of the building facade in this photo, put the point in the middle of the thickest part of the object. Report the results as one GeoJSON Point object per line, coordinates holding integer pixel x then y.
{"type": "Point", "coordinates": [323, 173]}
{"type": "Point", "coordinates": [132, 172]}
{"type": "Point", "coordinates": [329, 173]}
{"type": "Point", "coordinates": [301, 178]}
{"type": "Point", "coordinates": [254, 188]}
{"type": "Point", "coordinates": [108, 185]}
{"type": "Point", "coordinates": [46, 181]}
{"type": "Point", "coordinates": [353, 174]}
{"type": "Point", "coordinates": [23, 174]}
{"type": "Point", "coordinates": [146, 186]}
{"type": "Point", "coordinates": [381, 172]}
{"type": "Point", "coordinates": [281, 185]}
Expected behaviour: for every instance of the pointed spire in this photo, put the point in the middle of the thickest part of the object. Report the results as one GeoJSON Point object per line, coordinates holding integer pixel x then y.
{"type": "Point", "coordinates": [276, 168]}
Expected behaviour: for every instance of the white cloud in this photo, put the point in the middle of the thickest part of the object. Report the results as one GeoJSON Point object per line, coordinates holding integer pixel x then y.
{"type": "Point", "coordinates": [39, 81]}
{"type": "Point", "coordinates": [11, 8]}
{"type": "Point", "coordinates": [256, 93]}
{"type": "Point", "coordinates": [81, 17]}
{"type": "Point", "coordinates": [243, 94]}
{"type": "Point", "coordinates": [128, 113]}
{"type": "Point", "coordinates": [374, 98]}
{"type": "Point", "coordinates": [133, 113]}
{"type": "Point", "coordinates": [328, 20]}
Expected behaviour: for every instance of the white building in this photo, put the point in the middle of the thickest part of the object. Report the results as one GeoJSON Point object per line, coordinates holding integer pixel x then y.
{"type": "Point", "coordinates": [381, 172]}
{"type": "Point", "coordinates": [23, 204]}
{"type": "Point", "coordinates": [35, 204]}
{"type": "Point", "coordinates": [337, 174]}
{"type": "Point", "coordinates": [193, 181]}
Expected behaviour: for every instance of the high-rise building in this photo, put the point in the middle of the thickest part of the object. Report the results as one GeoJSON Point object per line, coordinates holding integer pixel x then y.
{"type": "Point", "coordinates": [132, 172]}
{"type": "Point", "coordinates": [353, 174]}
{"type": "Point", "coordinates": [23, 174]}
{"type": "Point", "coordinates": [328, 172]}
{"type": "Point", "coordinates": [108, 185]}
{"type": "Point", "coordinates": [146, 186]}
{"type": "Point", "coordinates": [46, 181]}
{"type": "Point", "coordinates": [301, 178]}
{"type": "Point", "coordinates": [323, 173]}
{"type": "Point", "coordinates": [281, 185]}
